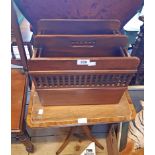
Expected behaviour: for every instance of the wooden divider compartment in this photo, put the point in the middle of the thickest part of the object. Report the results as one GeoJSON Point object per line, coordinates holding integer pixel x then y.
{"type": "Point", "coordinates": [61, 81]}
{"type": "Point", "coordinates": [79, 37]}
{"type": "Point", "coordinates": [81, 45]}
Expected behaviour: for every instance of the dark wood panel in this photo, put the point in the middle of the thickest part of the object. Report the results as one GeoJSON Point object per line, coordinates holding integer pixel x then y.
{"type": "Point", "coordinates": [78, 26]}
{"type": "Point", "coordinates": [78, 9]}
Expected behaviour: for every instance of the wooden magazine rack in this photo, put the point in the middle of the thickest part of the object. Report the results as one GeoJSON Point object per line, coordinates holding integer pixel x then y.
{"type": "Point", "coordinates": [80, 62]}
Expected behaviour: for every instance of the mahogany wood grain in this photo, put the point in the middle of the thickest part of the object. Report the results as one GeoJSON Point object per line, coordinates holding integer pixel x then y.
{"type": "Point", "coordinates": [64, 74]}
{"type": "Point", "coordinates": [78, 9]}
{"type": "Point", "coordinates": [61, 81]}
{"type": "Point", "coordinates": [80, 96]}
{"type": "Point", "coordinates": [18, 100]}
{"type": "Point", "coordinates": [70, 63]}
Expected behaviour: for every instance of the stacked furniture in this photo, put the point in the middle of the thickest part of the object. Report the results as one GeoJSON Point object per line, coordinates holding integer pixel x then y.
{"type": "Point", "coordinates": [19, 87]}
{"type": "Point", "coordinates": [80, 59]}
{"type": "Point", "coordinates": [80, 62]}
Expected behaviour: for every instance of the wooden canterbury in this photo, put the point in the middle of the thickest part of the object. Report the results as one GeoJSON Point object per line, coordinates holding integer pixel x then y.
{"type": "Point", "coordinates": [81, 66]}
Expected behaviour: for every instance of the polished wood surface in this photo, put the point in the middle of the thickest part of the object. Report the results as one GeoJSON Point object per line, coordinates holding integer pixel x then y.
{"type": "Point", "coordinates": [18, 99]}
{"type": "Point", "coordinates": [78, 9]}
{"type": "Point", "coordinates": [61, 116]}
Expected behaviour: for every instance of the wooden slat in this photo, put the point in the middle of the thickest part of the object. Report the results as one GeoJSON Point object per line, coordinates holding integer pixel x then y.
{"type": "Point", "coordinates": [68, 42]}
{"type": "Point", "coordinates": [88, 80]}
{"type": "Point", "coordinates": [78, 26]}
